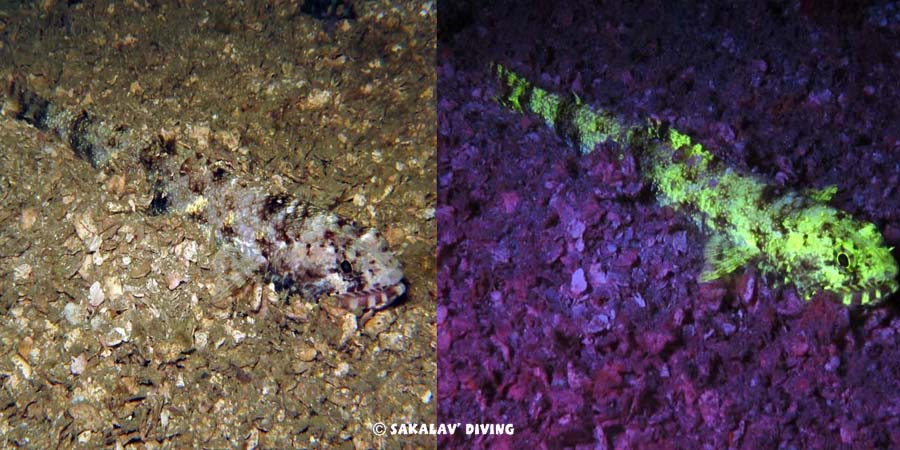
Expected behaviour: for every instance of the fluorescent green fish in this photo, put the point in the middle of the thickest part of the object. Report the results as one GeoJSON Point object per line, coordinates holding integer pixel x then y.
{"type": "Point", "coordinates": [797, 237]}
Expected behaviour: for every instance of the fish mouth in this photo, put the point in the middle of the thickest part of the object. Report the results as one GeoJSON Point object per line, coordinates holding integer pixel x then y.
{"type": "Point", "coordinates": [372, 299]}
{"type": "Point", "coordinates": [868, 296]}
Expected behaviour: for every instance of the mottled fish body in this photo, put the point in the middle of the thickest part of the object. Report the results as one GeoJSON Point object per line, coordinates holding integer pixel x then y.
{"type": "Point", "coordinates": [300, 248]}
{"type": "Point", "coordinates": [814, 246]}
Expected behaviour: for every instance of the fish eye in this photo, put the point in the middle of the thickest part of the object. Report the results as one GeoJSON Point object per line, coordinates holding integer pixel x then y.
{"type": "Point", "coordinates": [843, 260]}
{"type": "Point", "coordinates": [346, 267]}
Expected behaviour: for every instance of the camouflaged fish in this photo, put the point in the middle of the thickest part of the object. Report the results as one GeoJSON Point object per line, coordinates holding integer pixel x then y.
{"type": "Point", "coordinates": [807, 243]}
{"type": "Point", "coordinates": [300, 248]}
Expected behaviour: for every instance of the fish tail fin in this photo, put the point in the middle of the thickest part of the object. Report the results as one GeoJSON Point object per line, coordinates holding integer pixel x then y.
{"type": "Point", "coordinates": [515, 89]}
{"type": "Point", "coordinates": [573, 120]}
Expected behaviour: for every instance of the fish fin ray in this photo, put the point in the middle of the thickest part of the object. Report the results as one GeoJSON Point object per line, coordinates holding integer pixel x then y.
{"type": "Point", "coordinates": [723, 256]}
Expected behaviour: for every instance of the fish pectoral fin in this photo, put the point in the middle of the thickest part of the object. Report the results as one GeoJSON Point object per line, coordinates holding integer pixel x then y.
{"type": "Point", "coordinates": [723, 256]}
{"type": "Point", "coordinates": [824, 194]}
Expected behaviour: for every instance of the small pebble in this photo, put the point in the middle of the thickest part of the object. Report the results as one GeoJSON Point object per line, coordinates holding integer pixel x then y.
{"type": "Point", "coordinates": [173, 280]}
{"type": "Point", "coordinates": [342, 369]}
{"type": "Point", "coordinates": [22, 272]}
{"type": "Point", "coordinates": [29, 216]}
{"type": "Point", "coordinates": [114, 337]}
{"type": "Point", "coordinates": [307, 354]}
{"type": "Point", "coordinates": [578, 284]}
{"type": "Point", "coordinates": [96, 295]}
{"type": "Point", "coordinates": [348, 328]}
{"type": "Point", "coordinates": [78, 364]}
{"type": "Point", "coordinates": [74, 313]}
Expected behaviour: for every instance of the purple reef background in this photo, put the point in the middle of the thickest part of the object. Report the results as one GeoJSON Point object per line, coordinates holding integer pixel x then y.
{"type": "Point", "coordinates": [569, 301]}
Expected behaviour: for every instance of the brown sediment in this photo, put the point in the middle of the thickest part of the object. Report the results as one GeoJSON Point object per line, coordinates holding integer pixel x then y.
{"type": "Point", "coordinates": [177, 367]}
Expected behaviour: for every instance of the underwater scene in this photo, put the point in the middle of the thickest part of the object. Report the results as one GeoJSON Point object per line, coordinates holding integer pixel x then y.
{"type": "Point", "coordinates": [217, 223]}
{"type": "Point", "coordinates": [669, 224]}
{"type": "Point", "coordinates": [457, 224]}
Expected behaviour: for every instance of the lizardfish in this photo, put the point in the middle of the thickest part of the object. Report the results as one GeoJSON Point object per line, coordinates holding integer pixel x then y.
{"type": "Point", "coordinates": [796, 236]}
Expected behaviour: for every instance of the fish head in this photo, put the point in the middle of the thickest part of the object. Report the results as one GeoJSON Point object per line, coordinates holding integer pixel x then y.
{"type": "Point", "coordinates": [323, 255]}
{"type": "Point", "coordinates": [825, 249]}
{"type": "Point", "coordinates": [372, 273]}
